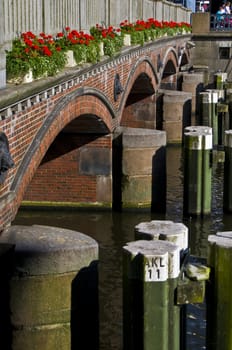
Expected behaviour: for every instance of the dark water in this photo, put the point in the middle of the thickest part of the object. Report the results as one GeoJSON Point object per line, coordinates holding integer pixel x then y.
{"type": "Point", "coordinates": [112, 230]}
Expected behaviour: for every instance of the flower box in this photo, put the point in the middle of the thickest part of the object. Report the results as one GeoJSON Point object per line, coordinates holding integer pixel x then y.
{"type": "Point", "coordinates": [127, 40]}
{"type": "Point", "coordinates": [101, 49]}
{"type": "Point", "coordinates": [27, 78]}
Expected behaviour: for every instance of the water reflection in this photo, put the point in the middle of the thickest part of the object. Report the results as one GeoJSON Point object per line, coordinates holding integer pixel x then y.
{"type": "Point", "coordinates": [112, 230]}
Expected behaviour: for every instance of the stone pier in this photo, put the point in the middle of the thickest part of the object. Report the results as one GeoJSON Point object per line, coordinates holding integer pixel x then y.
{"type": "Point", "coordinates": [143, 173]}
{"type": "Point", "coordinates": [194, 83]}
{"type": "Point", "coordinates": [176, 114]}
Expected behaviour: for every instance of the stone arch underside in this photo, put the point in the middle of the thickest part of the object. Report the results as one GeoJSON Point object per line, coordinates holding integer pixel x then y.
{"type": "Point", "coordinates": [139, 100]}
{"type": "Point", "coordinates": [169, 70]}
{"type": "Point", "coordinates": [96, 115]}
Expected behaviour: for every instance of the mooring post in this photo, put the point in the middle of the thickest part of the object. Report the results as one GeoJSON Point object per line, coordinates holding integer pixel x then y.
{"type": "Point", "coordinates": [205, 108]}
{"type": "Point", "coordinates": [227, 193]}
{"type": "Point", "coordinates": [209, 117]}
{"type": "Point", "coordinates": [229, 101]}
{"type": "Point", "coordinates": [219, 301]}
{"type": "Point", "coordinates": [176, 233]}
{"type": "Point", "coordinates": [220, 80]}
{"type": "Point", "coordinates": [148, 270]}
{"type": "Point", "coordinates": [197, 170]}
{"type": "Point", "coordinates": [223, 122]}
{"type": "Point", "coordinates": [214, 117]}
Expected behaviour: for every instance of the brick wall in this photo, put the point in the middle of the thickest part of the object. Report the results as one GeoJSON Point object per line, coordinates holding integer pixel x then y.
{"type": "Point", "coordinates": [71, 168]}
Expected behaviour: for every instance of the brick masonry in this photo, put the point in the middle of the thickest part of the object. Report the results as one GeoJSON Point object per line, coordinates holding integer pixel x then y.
{"type": "Point", "coordinates": [33, 116]}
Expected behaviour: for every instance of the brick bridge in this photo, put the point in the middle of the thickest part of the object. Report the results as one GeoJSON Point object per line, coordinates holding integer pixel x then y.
{"type": "Point", "coordinates": [61, 130]}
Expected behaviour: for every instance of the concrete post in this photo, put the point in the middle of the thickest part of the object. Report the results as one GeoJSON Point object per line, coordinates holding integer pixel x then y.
{"type": "Point", "coordinates": [143, 178]}
{"type": "Point", "coordinates": [197, 170]}
{"type": "Point", "coordinates": [176, 114]}
{"type": "Point", "coordinates": [227, 193]}
{"type": "Point", "coordinates": [149, 268]}
{"type": "Point", "coordinates": [194, 83]}
{"type": "Point", "coordinates": [53, 290]}
{"type": "Point", "coordinates": [219, 301]}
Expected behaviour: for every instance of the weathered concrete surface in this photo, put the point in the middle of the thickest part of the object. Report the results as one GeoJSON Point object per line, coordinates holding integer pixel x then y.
{"type": "Point", "coordinates": [143, 167]}
{"type": "Point", "coordinates": [52, 288]}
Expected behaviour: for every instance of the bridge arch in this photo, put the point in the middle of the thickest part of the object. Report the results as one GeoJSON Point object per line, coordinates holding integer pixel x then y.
{"type": "Point", "coordinates": [86, 104]}
{"type": "Point", "coordinates": [142, 84]}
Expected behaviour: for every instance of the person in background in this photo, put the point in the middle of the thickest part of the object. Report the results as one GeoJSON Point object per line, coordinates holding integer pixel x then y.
{"type": "Point", "coordinates": [220, 16]}
{"type": "Point", "coordinates": [227, 8]}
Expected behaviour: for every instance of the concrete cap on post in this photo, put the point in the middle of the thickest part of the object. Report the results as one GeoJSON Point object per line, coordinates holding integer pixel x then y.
{"type": "Point", "coordinates": [161, 259]}
{"type": "Point", "coordinates": [143, 138]}
{"type": "Point", "coordinates": [228, 138]}
{"type": "Point", "coordinates": [206, 97]}
{"type": "Point", "coordinates": [43, 250]}
{"type": "Point", "coordinates": [163, 230]}
{"type": "Point", "coordinates": [216, 95]}
{"type": "Point", "coordinates": [198, 138]}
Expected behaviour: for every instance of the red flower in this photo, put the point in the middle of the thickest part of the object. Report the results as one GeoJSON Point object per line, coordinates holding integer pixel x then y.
{"type": "Point", "coordinates": [46, 51]}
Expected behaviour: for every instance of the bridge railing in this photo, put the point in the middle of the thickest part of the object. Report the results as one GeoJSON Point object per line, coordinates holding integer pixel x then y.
{"type": "Point", "coordinates": [221, 22]}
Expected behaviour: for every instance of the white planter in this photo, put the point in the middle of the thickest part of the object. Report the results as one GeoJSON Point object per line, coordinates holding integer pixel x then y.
{"type": "Point", "coordinates": [28, 78]}
{"type": "Point", "coordinates": [101, 47]}
{"type": "Point", "coordinates": [127, 40]}
{"type": "Point", "coordinates": [71, 62]}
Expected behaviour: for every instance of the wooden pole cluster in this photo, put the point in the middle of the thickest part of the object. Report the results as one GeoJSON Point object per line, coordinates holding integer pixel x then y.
{"type": "Point", "coordinates": [219, 301]}
{"type": "Point", "coordinates": [197, 170]}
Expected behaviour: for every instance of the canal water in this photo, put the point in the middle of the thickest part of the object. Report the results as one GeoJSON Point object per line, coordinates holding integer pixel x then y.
{"type": "Point", "coordinates": [112, 230]}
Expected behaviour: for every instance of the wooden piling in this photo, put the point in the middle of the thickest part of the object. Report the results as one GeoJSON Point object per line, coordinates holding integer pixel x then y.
{"type": "Point", "coordinates": [219, 301]}
{"type": "Point", "coordinates": [149, 268]}
{"type": "Point", "coordinates": [227, 193]}
{"type": "Point", "coordinates": [197, 170]}
{"type": "Point", "coordinates": [176, 233]}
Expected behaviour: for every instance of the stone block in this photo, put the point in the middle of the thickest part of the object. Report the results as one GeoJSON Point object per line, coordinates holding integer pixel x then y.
{"type": "Point", "coordinates": [138, 161]}
{"type": "Point", "coordinates": [137, 191]}
{"type": "Point", "coordinates": [201, 22]}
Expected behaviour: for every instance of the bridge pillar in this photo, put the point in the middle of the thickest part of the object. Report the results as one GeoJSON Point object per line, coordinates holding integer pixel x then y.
{"type": "Point", "coordinates": [143, 168]}
{"type": "Point", "coordinates": [50, 298]}
{"type": "Point", "coordinates": [176, 114]}
{"type": "Point", "coordinates": [194, 83]}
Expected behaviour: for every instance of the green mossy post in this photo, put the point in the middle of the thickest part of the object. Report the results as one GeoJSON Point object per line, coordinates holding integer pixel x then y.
{"type": "Point", "coordinates": [227, 193]}
{"type": "Point", "coordinates": [205, 108]}
{"type": "Point", "coordinates": [149, 268]}
{"type": "Point", "coordinates": [176, 233]}
{"type": "Point", "coordinates": [220, 80]}
{"type": "Point", "coordinates": [229, 101]}
{"type": "Point", "coordinates": [214, 116]}
{"type": "Point", "coordinates": [223, 121]}
{"type": "Point", "coordinates": [219, 301]}
{"type": "Point", "coordinates": [197, 170]}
